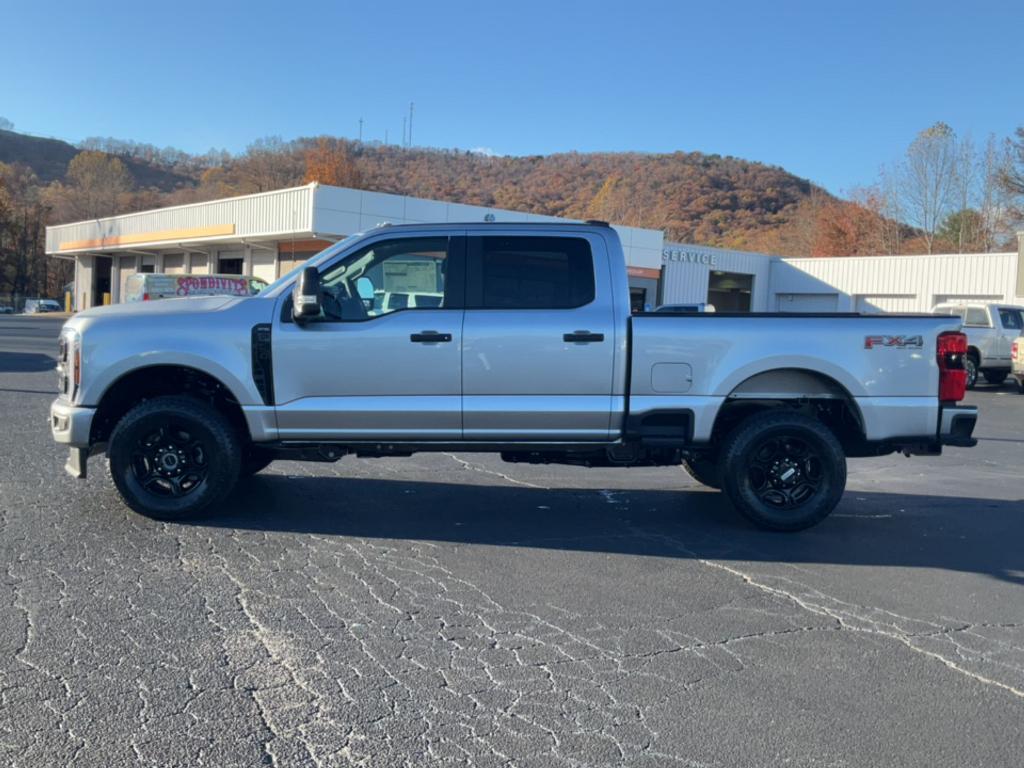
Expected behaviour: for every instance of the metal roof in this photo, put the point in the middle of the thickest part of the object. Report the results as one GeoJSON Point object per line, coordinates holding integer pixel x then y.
{"type": "Point", "coordinates": [310, 211]}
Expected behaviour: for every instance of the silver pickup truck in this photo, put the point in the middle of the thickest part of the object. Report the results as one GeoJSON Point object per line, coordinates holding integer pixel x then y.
{"type": "Point", "coordinates": [514, 339]}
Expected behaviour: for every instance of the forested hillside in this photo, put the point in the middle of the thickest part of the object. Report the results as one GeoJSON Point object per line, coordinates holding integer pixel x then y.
{"type": "Point", "coordinates": [693, 197]}
{"type": "Point", "coordinates": [49, 158]}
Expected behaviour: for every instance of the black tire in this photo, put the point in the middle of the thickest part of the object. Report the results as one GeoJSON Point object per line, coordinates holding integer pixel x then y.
{"type": "Point", "coordinates": [971, 365]}
{"type": "Point", "coordinates": [759, 459]}
{"type": "Point", "coordinates": [173, 458]}
{"type": "Point", "coordinates": [996, 377]}
{"type": "Point", "coordinates": [704, 471]}
{"type": "Point", "coordinates": [255, 460]}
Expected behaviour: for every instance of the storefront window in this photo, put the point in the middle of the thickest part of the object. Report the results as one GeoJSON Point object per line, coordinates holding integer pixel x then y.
{"type": "Point", "coordinates": [730, 291]}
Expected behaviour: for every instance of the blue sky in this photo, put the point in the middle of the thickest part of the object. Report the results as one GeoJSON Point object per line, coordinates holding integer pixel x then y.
{"type": "Point", "coordinates": [828, 90]}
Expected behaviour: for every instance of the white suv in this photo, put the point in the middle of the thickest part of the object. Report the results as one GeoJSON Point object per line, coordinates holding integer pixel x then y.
{"type": "Point", "coordinates": [991, 329]}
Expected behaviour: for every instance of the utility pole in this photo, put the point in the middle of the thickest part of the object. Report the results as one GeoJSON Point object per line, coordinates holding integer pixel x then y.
{"type": "Point", "coordinates": [403, 132]}
{"type": "Point", "coordinates": [360, 130]}
{"type": "Point", "coordinates": [410, 123]}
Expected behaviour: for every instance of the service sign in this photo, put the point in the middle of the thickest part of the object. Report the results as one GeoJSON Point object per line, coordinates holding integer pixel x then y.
{"type": "Point", "coordinates": [689, 256]}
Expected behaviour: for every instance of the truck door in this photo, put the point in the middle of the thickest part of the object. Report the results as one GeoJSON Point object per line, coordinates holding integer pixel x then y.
{"type": "Point", "coordinates": [538, 338]}
{"type": "Point", "coordinates": [1009, 325]}
{"type": "Point", "coordinates": [384, 361]}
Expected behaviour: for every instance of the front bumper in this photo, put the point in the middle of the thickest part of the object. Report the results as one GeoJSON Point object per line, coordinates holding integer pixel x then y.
{"type": "Point", "coordinates": [71, 425]}
{"type": "Point", "coordinates": [956, 425]}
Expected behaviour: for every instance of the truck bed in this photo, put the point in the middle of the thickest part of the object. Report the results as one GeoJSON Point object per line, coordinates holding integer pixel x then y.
{"type": "Point", "coordinates": [884, 363]}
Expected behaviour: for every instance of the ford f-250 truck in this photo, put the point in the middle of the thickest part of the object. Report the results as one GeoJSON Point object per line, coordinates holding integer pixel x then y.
{"type": "Point", "coordinates": [506, 338]}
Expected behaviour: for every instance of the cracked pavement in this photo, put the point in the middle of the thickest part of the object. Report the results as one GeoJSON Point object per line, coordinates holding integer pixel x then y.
{"type": "Point", "coordinates": [451, 609]}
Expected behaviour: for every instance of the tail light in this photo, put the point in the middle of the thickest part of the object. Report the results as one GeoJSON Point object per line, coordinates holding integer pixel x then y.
{"type": "Point", "coordinates": [1015, 354]}
{"type": "Point", "coordinates": [145, 297]}
{"type": "Point", "coordinates": [950, 352]}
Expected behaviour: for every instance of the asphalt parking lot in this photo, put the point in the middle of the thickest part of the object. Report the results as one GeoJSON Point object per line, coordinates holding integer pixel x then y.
{"type": "Point", "coordinates": [453, 609]}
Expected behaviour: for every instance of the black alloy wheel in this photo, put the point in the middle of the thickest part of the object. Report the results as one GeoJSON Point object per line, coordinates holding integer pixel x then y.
{"type": "Point", "coordinates": [170, 460]}
{"type": "Point", "coordinates": [783, 470]}
{"type": "Point", "coordinates": [173, 457]}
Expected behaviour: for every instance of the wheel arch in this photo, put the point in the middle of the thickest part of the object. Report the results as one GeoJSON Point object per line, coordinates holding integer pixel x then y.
{"type": "Point", "coordinates": [146, 382]}
{"type": "Point", "coordinates": [807, 390]}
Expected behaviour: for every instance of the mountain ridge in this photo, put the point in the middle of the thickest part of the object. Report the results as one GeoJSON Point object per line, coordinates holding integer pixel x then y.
{"type": "Point", "coordinates": [694, 197]}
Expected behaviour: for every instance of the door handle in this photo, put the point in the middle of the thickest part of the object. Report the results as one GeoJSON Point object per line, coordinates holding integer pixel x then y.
{"type": "Point", "coordinates": [428, 337]}
{"type": "Point", "coordinates": [583, 336]}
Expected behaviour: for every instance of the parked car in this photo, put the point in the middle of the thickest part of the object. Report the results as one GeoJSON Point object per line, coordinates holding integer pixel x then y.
{"type": "Point", "coordinates": [37, 306]}
{"type": "Point", "coordinates": [684, 308]}
{"type": "Point", "coordinates": [991, 329]}
{"type": "Point", "coordinates": [150, 286]}
{"type": "Point", "coordinates": [5, 310]}
{"type": "Point", "coordinates": [532, 352]}
{"type": "Point", "coordinates": [1017, 362]}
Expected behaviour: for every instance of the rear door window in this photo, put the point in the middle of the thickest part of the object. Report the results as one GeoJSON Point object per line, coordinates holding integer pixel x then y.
{"type": "Point", "coordinates": [530, 273]}
{"type": "Point", "coordinates": [976, 317]}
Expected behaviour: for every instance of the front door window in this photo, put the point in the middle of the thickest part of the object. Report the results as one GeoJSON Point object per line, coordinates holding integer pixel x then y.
{"type": "Point", "coordinates": [407, 273]}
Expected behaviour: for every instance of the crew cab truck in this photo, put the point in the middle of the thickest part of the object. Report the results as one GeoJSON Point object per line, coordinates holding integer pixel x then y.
{"type": "Point", "coordinates": [530, 351]}
{"type": "Point", "coordinates": [991, 329]}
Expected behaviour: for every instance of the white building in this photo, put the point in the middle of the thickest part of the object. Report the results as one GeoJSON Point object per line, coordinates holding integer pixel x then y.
{"type": "Point", "coordinates": [267, 234]}
{"type": "Point", "coordinates": [757, 282]}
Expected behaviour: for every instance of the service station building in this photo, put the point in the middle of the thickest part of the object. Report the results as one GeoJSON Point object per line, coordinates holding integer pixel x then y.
{"type": "Point", "coordinates": [267, 234]}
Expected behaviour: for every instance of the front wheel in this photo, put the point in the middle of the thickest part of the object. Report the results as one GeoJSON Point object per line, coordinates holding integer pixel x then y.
{"type": "Point", "coordinates": [783, 471]}
{"type": "Point", "coordinates": [255, 460]}
{"type": "Point", "coordinates": [704, 471]}
{"type": "Point", "coordinates": [172, 458]}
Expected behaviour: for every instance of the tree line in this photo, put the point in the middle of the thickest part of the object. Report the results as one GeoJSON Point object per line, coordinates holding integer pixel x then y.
{"type": "Point", "coordinates": [945, 194]}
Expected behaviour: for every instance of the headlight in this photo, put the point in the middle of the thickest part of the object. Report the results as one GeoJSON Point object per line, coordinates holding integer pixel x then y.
{"type": "Point", "coordinates": [69, 364]}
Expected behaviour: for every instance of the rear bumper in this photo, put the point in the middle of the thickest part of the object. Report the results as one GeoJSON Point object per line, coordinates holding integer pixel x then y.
{"type": "Point", "coordinates": [956, 425]}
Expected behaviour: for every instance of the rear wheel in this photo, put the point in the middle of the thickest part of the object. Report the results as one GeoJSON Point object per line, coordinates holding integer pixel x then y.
{"type": "Point", "coordinates": [704, 471]}
{"type": "Point", "coordinates": [783, 471]}
{"type": "Point", "coordinates": [172, 458]}
{"type": "Point", "coordinates": [996, 377]}
{"type": "Point", "coordinates": [971, 366]}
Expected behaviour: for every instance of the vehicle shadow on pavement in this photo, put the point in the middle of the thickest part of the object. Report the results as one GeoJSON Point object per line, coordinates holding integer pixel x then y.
{"type": "Point", "coordinates": [880, 529]}
{"type": "Point", "coordinates": [25, 362]}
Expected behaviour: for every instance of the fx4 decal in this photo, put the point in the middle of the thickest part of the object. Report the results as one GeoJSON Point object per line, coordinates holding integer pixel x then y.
{"type": "Point", "coordinates": [898, 342]}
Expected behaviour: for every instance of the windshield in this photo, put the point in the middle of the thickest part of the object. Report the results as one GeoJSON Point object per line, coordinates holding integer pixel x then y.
{"type": "Point", "coordinates": [274, 287]}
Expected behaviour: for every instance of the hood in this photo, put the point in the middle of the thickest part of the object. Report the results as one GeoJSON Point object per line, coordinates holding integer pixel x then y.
{"type": "Point", "coordinates": [177, 311]}
{"type": "Point", "coordinates": [182, 306]}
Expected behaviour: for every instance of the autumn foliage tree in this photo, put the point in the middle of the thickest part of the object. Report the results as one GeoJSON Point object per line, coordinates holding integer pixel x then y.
{"type": "Point", "coordinates": [97, 184]}
{"type": "Point", "coordinates": [328, 162]}
{"type": "Point", "coordinates": [24, 269]}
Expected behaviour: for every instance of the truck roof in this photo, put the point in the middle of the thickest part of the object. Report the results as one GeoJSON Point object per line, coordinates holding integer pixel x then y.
{"type": "Point", "coordinates": [553, 225]}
